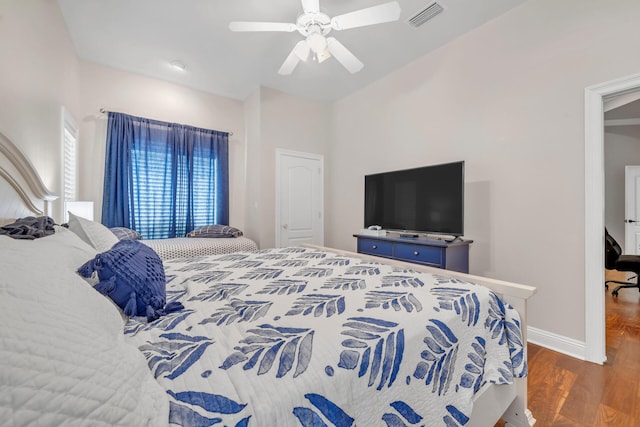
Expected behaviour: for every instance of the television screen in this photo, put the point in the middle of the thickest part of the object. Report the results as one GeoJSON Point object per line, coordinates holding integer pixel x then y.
{"type": "Point", "coordinates": [428, 199]}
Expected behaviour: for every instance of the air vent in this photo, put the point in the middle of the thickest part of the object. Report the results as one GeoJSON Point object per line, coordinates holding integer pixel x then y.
{"type": "Point", "coordinates": [425, 14]}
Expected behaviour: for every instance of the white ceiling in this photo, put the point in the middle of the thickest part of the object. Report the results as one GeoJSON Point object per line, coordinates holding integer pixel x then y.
{"type": "Point", "coordinates": [143, 36]}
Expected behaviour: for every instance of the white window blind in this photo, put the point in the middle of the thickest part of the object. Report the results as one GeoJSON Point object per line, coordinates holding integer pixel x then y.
{"type": "Point", "coordinates": [160, 195]}
{"type": "Point", "coordinates": [69, 157]}
{"type": "Point", "coordinates": [70, 163]}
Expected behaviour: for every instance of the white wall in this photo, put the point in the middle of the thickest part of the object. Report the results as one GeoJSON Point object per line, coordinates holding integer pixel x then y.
{"type": "Point", "coordinates": [289, 123]}
{"type": "Point", "coordinates": [621, 148]}
{"type": "Point", "coordinates": [114, 90]}
{"type": "Point", "coordinates": [253, 172]}
{"type": "Point", "coordinates": [38, 75]}
{"type": "Point", "coordinates": [508, 98]}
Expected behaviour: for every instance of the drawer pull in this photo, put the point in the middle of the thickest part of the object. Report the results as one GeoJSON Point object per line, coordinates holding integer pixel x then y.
{"type": "Point", "coordinates": [416, 253]}
{"type": "Point", "coordinates": [374, 246]}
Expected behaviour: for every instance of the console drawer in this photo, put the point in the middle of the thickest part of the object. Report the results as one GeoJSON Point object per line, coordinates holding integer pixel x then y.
{"type": "Point", "coordinates": [434, 253]}
{"type": "Point", "coordinates": [375, 247]}
{"type": "Point", "coordinates": [420, 254]}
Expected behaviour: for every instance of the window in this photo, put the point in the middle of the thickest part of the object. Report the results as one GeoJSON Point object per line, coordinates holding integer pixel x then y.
{"type": "Point", "coordinates": [164, 179]}
{"type": "Point", "coordinates": [69, 159]}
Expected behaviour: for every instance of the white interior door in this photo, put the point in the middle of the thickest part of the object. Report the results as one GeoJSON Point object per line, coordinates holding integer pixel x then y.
{"type": "Point", "coordinates": [632, 210]}
{"type": "Point", "coordinates": [299, 198]}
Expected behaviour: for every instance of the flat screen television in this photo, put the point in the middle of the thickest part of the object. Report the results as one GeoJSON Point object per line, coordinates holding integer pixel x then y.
{"type": "Point", "coordinates": [427, 199]}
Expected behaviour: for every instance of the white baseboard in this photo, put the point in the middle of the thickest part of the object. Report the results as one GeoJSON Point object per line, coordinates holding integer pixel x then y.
{"type": "Point", "coordinates": [555, 342]}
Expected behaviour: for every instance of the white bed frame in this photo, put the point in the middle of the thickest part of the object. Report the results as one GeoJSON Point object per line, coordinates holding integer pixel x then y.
{"type": "Point", "coordinates": [22, 193]}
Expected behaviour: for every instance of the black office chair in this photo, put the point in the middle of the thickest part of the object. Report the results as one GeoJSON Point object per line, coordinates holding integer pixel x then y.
{"type": "Point", "coordinates": [614, 260]}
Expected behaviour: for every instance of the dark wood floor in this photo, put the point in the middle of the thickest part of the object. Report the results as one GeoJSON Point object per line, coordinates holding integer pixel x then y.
{"type": "Point", "coordinates": [564, 391]}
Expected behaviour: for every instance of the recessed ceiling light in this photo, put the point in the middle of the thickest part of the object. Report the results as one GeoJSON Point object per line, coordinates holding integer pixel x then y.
{"type": "Point", "coordinates": [178, 65]}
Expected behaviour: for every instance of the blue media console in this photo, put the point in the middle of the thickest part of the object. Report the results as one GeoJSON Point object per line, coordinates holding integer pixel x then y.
{"type": "Point", "coordinates": [419, 250]}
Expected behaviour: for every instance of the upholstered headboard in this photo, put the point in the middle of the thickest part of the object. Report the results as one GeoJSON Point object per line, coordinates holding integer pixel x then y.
{"type": "Point", "coordinates": [22, 192]}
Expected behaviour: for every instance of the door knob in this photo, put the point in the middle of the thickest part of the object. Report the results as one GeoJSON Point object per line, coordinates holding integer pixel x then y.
{"type": "Point", "coordinates": [284, 226]}
{"type": "Point", "coordinates": [630, 221]}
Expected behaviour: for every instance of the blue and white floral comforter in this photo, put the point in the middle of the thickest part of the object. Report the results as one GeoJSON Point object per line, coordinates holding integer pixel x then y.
{"type": "Point", "coordinates": [300, 337]}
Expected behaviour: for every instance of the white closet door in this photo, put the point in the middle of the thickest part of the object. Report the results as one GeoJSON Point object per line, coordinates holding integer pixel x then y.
{"type": "Point", "coordinates": [632, 210]}
{"type": "Point", "coordinates": [299, 198]}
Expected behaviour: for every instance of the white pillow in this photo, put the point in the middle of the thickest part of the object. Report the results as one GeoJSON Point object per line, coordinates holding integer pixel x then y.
{"type": "Point", "coordinates": [65, 360]}
{"type": "Point", "coordinates": [94, 233]}
{"type": "Point", "coordinates": [75, 250]}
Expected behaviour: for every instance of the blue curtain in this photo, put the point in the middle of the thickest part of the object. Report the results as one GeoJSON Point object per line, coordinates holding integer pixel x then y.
{"type": "Point", "coordinates": [164, 179]}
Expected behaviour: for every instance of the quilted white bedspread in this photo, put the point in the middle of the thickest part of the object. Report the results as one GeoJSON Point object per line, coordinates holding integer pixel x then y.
{"type": "Point", "coordinates": [299, 337]}
{"type": "Point", "coordinates": [63, 358]}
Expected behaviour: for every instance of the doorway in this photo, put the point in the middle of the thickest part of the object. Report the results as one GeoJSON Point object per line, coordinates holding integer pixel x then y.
{"type": "Point", "coordinates": [595, 343]}
{"type": "Point", "coordinates": [299, 198]}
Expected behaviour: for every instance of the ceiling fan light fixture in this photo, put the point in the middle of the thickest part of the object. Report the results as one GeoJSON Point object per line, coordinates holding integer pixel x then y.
{"type": "Point", "coordinates": [317, 43]}
{"type": "Point", "coordinates": [323, 56]}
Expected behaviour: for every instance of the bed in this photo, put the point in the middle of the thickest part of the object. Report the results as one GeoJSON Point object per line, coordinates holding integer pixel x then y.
{"type": "Point", "coordinates": [214, 240]}
{"type": "Point", "coordinates": [301, 336]}
{"type": "Point", "coordinates": [181, 247]}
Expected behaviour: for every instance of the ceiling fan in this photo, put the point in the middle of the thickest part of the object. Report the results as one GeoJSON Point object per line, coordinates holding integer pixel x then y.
{"type": "Point", "coordinates": [314, 26]}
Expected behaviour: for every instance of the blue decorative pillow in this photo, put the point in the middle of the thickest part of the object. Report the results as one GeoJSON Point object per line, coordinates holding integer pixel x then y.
{"type": "Point", "coordinates": [124, 233]}
{"type": "Point", "coordinates": [215, 230]}
{"type": "Point", "coordinates": [132, 275]}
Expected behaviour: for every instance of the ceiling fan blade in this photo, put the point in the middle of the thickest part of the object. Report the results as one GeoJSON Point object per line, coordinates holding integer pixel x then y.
{"type": "Point", "coordinates": [344, 56]}
{"type": "Point", "coordinates": [385, 12]}
{"type": "Point", "coordinates": [262, 26]}
{"type": "Point", "coordinates": [311, 6]}
{"type": "Point", "coordinates": [292, 60]}
{"type": "Point", "coordinates": [302, 50]}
